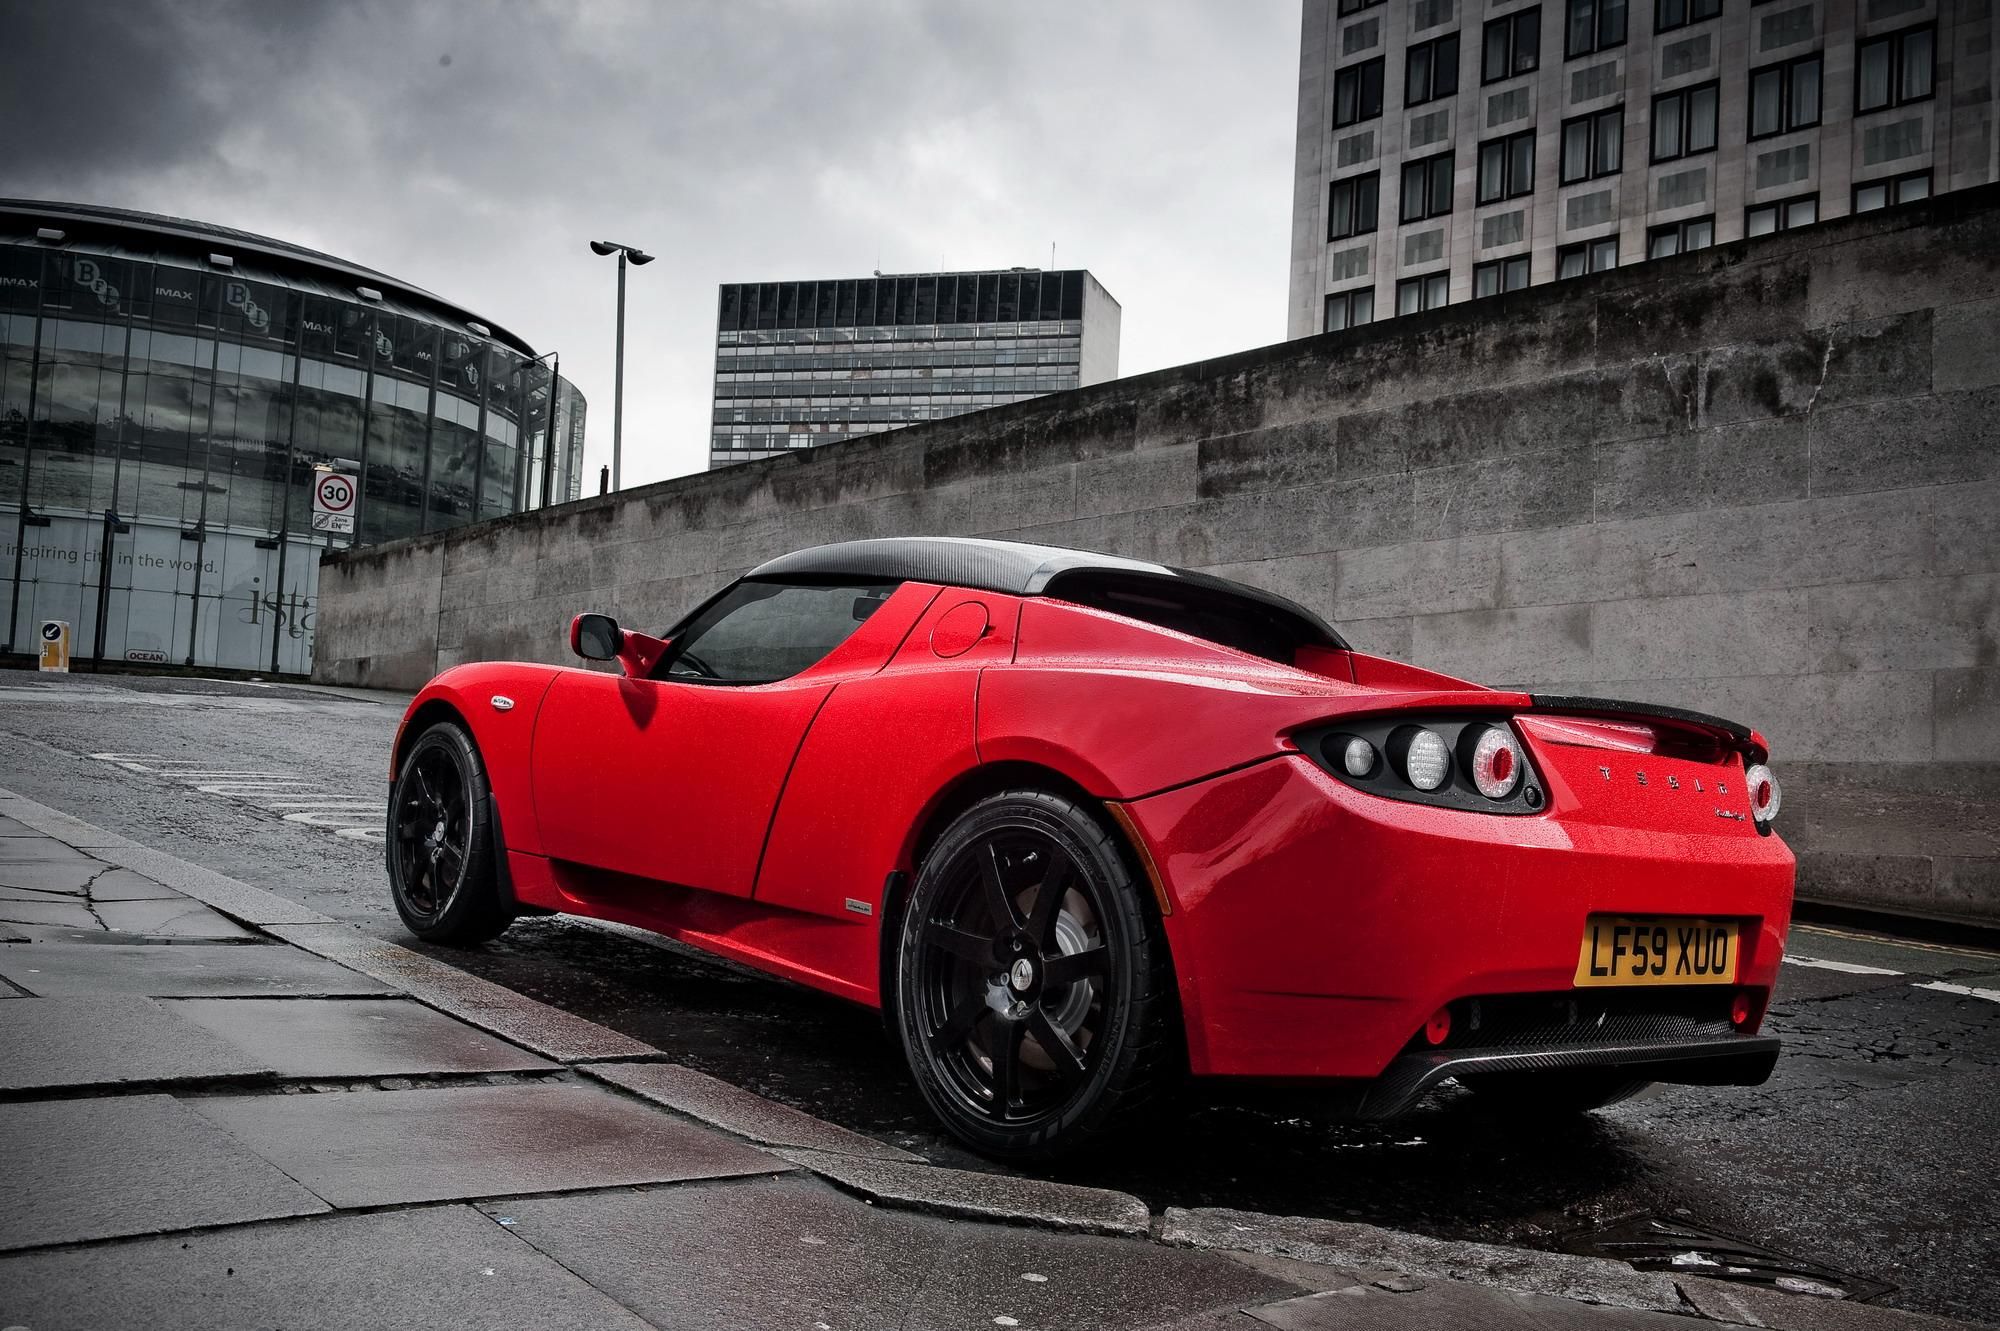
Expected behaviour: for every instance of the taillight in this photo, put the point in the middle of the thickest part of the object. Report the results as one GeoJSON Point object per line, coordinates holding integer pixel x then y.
{"type": "Point", "coordinates": [1495, 762]}
{"type": "Point", "coordinates": [1743, 1010]}
{"type": "Point", "coordinates": [1357, 756]}
{"type": "Point", "coordinates": [1470, 762]}
{"type": "Point", "coordinates": [1422, 755]}
{"type": "Point", "coordinates": [1438, 1029]}
{"type": "Point", "coordinates": [1765, 796]}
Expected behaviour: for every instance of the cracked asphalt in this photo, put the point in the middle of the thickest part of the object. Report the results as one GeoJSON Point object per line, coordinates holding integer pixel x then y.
{"type": "Point", "coordinates": [1873, 1151]}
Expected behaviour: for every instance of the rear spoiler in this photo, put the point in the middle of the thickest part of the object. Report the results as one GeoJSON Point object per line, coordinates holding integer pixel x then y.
{"type": "Point", "coordinates": [1738, 735]}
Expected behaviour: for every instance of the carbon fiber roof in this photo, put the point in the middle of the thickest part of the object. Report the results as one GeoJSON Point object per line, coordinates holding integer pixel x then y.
{"type": "Point", "coordinates": [1014, 567]}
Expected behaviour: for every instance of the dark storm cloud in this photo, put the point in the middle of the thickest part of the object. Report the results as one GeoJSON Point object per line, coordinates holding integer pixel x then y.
{"type": "Point", "coordinates": [95, 90]}
{"type": "Point", "coordinates": [472, 148]}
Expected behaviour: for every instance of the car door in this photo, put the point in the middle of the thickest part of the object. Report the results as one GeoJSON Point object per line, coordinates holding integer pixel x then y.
{"type": "Point", "coordinates": [674, 777]}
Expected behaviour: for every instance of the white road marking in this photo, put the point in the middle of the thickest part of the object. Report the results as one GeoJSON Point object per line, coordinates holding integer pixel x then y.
{"type": "Point", "coordinates": [356, 817]}
{"type": "Point", "coordinates": [204, 774]}
{"type": "Point", "coordinates": [1845, 967]}
{"type": "Point", "coordinates": [1963, 990]}
{"type": "Point", "coordinates": [336, 818]}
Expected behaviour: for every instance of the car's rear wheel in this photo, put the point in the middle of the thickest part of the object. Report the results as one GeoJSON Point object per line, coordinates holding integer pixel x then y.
{"type": "Point", "coordinates": [443, 854]}
{"type": "Point", "coordinates": [1033, 990]}
{"type": "Point", "coordinates": [1576, 1092]}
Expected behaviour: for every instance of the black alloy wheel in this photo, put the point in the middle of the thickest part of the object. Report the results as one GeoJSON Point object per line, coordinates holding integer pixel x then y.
{"type": "Point", "coordinates": [442, 853]}
{"type": "Point", "coordinates": [1033, 990]}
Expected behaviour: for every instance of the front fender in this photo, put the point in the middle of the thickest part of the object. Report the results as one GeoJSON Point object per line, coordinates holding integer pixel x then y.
{"type": "Point", "coordinates": [504, 736]}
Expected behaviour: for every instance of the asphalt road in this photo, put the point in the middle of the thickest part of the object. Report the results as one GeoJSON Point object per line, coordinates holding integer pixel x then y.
{"type": "Point", "coordinates": [1873, 1152]}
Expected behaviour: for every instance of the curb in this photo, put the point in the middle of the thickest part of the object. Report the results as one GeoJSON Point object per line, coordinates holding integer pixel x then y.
{"type": "Point", "coordinates": [967, 1195]}
{"type": "Point", "coordinates": [243, 903]}
{"type": "Point", "coordinates": [548, 1031]}
{"type": "Point", "coordinates": [1355, 1247]}
{"type": "Point", "coordinates": [745, 1113]}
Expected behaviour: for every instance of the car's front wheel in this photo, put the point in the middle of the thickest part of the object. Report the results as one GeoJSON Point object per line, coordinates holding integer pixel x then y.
{"type": "Point", "coordinates": [1033, 990]}
{"type": "Point", "coordinates": [443, 854]}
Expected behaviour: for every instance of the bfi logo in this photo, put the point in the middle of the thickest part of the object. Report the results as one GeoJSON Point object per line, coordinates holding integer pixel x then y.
{"type": "Point", "coordinates": [91, 278]}
{"type": "Point", "coordinates": [237, 296]}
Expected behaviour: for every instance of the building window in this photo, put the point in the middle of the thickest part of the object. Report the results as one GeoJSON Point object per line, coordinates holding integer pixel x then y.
{"type": "Point", "coordinates": [1893, 70]}
{"type": "Point", "coordinates": [1351, 205]}
{"type": "Point", "coordinates": [1874, 194]}
{"type": "Point", "coordinates": [1350, 309]}
{"type": "Point", "coordinates": [1513, 46]}
{"type": "Point", "coordinates": [1765, 218]}
{"type": "Point", "coordinates": [1594, 25]}
{"type": "Point", "coordinates": [1431, 71]}
{"type": "Point", "coordinates": [1507, 167]}
{"type": "Point", "coordinates": [1356, 6]}
{"type": "Point", "coordinates": [1416, 294]}
{"type": "Point", "coordinates": [1357, 93]}
{"type": "Point", "coordinates": [1426, 188]}
{"type": "Point", "coordinates": [1684, 123]}
{"type": "Point", "coordinates": [1593, 145]}
{"type": "Point", "coordinates": [1492, 278]}
{"type": "Point", "coordinates": [1588, 256]}
{"type": "Point", "coordinates": [1671, 14]}
{"type": "Point", "coordinates": [1784, 97]}
{"type": "Point", "coordinates": [1697, 233]}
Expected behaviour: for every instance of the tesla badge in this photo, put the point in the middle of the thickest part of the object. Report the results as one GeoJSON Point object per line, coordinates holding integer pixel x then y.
{"type": "Point", "coordinates": [502, 703]}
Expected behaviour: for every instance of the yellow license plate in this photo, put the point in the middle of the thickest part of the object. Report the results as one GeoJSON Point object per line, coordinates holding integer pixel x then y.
{"type": "Point", "coordinates": [1655, 949]}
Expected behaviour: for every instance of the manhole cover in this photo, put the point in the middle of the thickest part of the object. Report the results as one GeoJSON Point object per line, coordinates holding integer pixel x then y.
{"type": "Point", "coordinates": [1676, 1246]}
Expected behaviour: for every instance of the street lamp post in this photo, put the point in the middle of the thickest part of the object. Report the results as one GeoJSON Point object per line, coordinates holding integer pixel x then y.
{"type": "Point", "coordinates": [638, 256]}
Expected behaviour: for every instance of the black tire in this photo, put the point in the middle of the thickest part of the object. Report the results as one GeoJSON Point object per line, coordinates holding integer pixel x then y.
{"type": "Point", "coordinates": [442, 851]}
{"type": "Point", "coordinates": [1541, 1093]}
{"type": "Point", "coordinates": [1023, 1052]}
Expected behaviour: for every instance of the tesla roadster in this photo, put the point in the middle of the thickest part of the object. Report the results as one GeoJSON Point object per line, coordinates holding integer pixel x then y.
{"type": "Point", "coordinates": [1080, 825]}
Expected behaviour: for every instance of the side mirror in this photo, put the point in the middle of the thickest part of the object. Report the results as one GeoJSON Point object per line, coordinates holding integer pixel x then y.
{"type": "Point", "coordinates": [596, 637]}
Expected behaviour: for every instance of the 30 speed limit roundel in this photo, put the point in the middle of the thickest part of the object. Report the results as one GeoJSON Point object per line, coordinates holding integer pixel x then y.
{"type": "Point", "coordinates": [334, 492]}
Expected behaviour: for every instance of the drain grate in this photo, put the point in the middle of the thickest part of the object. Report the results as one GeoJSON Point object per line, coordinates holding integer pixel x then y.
{"type": "Point", "coordinates": [1683, 1249]}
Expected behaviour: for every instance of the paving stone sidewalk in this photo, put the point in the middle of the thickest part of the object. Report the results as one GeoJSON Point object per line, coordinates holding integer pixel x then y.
{"type": "Point", "coordinates": [208, 1120]}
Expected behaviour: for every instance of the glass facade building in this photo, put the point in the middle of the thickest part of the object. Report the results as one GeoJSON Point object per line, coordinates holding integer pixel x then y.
{"type": "Point", "coordinates": [804, 363]}
{"type": "Point", "coordinates": [170, 393]}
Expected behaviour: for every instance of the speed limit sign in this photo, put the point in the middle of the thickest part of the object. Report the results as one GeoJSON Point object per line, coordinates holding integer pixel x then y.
{"type": "Point", "coordinates": [333, 502]}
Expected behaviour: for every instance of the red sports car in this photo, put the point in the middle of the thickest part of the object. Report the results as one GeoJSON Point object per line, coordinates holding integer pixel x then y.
{"type": "Point", "coordinates": [1079, 824]}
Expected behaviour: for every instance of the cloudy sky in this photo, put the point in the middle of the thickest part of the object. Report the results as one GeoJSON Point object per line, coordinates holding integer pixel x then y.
{"type": "Point", "coordinates": [472, 148]}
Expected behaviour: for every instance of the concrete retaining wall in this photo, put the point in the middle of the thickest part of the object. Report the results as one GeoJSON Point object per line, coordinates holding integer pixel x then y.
{"type": "Point", "coordinates": [1762, 480]}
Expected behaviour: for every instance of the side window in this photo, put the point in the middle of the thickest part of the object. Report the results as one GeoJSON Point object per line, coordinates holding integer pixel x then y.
{"type": "Point", "coordinates": [759, 632]}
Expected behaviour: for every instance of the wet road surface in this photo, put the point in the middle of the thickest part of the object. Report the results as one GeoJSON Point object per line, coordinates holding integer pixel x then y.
{"type": "Point", "coordinates": [1873, 1151]}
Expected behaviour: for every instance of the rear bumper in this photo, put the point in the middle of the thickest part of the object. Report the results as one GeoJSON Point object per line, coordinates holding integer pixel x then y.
{"type": "Point", "coordinates": [1314, 928]}
{"type": "Point", "coordinates": [1732, 1060]}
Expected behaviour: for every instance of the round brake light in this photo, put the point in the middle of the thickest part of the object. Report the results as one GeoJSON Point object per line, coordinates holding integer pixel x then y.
{"type": "Point", "coordinates": [1765, 796]}
{"type": "Point", "coordinates": [1496, 763]}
